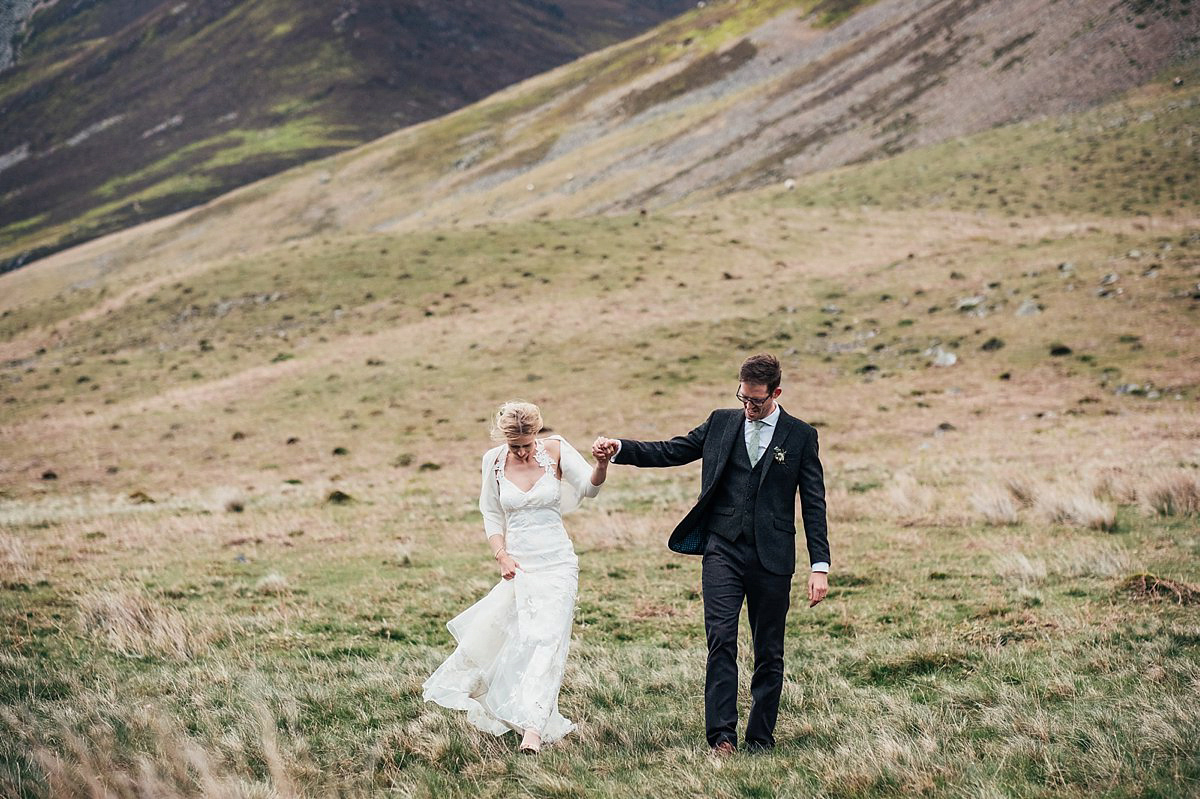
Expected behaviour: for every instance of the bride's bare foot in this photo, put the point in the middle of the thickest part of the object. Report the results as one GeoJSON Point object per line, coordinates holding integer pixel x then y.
{"type": "Point", "coordinates": [532, 742]}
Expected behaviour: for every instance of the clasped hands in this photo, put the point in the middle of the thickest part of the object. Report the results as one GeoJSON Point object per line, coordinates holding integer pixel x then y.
{"type": "Point", "coordinates": [603, 449]}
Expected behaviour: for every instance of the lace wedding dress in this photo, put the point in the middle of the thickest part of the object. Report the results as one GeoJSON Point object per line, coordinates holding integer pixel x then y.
{"type": "Point", "coordinates": [512, 644]}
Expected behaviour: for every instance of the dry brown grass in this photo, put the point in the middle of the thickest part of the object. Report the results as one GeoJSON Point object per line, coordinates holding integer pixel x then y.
{"type": "Point", "coordinates": [1020, 568]}
{"type": "Point", "coordinates": [1022, 489]}
{"type": "Point", "coordinates": [1030, 608]}
{"type": "Point", "coordinates": [1174, 494]}
{"type": "Point", "coordinates": [1149, 586]}
{"type": "Point", "coordinates": [847, 506]}
{"type": "Point", "coordinates": [230, 500]}
{"type": "Point", "coordinates": [1072, 506]}
{"type": "Point", "coordinates": [128, 621]}
{"type": "Point", "coordinates": [1090, 558]}
{"type": "Point", "coordinates": [273, 584]}
{"type": "Point", "coordinates": [605, 530]}
{"type": "Point", "coordinates": [15, 563]}
{"type": "Point", "coordinates": [1071, 556]}
{"type": "Point", "coordinates": [909, 501]}
{"type": "Point", "coordinates": [94, 763]}
{"type": "Point", "coordinates": [1116, 483]}
{"type": "Point", "coordinates": [995, 505]}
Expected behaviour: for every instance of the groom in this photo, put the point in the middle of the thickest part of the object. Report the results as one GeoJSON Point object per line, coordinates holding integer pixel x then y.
{"type": "Point", "coordinates": [755, 460]}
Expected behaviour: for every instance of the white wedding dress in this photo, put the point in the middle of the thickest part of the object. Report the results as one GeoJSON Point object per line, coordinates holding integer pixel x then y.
{"type": "Point", "coordinates": [512, 644]}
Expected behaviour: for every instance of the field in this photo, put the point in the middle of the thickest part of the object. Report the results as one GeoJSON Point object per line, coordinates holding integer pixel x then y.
{"type": "Point", "coordinates": [237, 497]}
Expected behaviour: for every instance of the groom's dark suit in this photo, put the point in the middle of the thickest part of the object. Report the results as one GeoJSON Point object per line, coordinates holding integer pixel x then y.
{"type": "Point", "coordinates": [744, 524]}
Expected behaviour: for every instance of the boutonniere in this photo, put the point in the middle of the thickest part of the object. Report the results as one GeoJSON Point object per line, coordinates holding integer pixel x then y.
{"type": "Point", "coordinates": [780, 455]}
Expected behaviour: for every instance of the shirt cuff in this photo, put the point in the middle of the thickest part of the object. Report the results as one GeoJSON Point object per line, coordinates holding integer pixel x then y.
{"type": "Point", "coordinates": [821, 567]}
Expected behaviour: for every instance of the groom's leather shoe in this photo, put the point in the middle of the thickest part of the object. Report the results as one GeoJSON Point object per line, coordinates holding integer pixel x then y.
{"type": "Point", "coordinates": [723, 749]}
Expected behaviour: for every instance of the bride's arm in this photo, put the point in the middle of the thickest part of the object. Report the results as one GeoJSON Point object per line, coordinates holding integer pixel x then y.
{"type": "Point", "coordinates": [508, 566]}
{"type": "Point", "coordinates": [575, 470]}
{"type": "Point", "coordinates": [493, 516]}
{"type": "Point", "coordinates": [489, 497]}
{"type": "Point", "coordinates": [600, 470]}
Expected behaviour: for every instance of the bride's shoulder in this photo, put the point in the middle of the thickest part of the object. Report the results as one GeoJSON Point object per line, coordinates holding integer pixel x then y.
{"type": "Point", "coordinates": [553, 445]}
{"type": "Point", "coordinates": [492, 454]}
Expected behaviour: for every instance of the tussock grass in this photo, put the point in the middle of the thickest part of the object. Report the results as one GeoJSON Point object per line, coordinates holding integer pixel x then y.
{"type": "Point", "coordinates": [273, 584]}
{"type": "Point", "coordinates": [129, 622]}
{"type": "Point", "coordinates": [910, 501]}
{"type": "Point", "coordinates": [847, 506]}
{"type": "Point", "coordinates": [995, 505]}
{"type": "Point", "coordinates": [1091, 559]}
{"type": "Point", "coordinates": [91, 761]}
{"type": "Point", "coordinates": [622, 530]}
{"type": "Point", "coordinates": [1116, 484]}
{"type": "Point", "coordinates": [230, 500]}
{"type": "Point", "coordinates": [1075, 507]}
{"type": "Point", "coordinates": [1022, 490]}
{"type": "Point", "coordinates": [1020, 568]}
{"type": "Point", "coordinates": [1174, 494]}
{"type": "Point", "coordinates": [15, 563]}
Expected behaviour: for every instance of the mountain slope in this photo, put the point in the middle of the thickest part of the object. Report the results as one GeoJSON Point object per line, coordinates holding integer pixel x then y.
{"type": "Point", "coordinates": [186, 373]}
{"type": "Point", "coordinates": [724, 98]}
{"type": "Point", "coordinates": [120, 111]}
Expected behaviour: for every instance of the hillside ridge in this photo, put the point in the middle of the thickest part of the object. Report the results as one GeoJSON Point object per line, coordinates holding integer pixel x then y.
{"type": "Point", "coordinates": [725, 98]}
{"type": "Point", "coordinates": [118, 112]}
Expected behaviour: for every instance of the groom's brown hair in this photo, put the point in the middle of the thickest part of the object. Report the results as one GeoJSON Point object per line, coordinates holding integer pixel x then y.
{"type": "Point", "coordinates": [762, 370]}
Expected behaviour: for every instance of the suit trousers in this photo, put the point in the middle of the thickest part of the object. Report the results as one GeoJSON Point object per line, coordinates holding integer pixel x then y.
{"type": "Point", "coordinates": [732, 572]}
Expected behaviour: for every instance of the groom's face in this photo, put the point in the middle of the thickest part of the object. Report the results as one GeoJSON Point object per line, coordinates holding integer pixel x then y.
{"type": "Point", "coordinates": [757, 401]}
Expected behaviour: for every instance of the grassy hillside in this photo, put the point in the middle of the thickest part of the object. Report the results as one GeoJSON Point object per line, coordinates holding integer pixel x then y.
{"type": "Point", "coordinates": [190, 609]}
{"type": "Point", "coordinates": [128, 110]}
{"type": "Point", "coordinates": [729, 96]}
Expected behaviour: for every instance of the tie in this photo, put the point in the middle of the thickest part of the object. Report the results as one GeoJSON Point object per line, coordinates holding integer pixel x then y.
{"type": "Point", "coordinates": [752, 448]}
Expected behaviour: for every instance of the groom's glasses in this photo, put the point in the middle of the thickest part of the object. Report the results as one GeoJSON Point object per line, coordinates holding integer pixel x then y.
{"type": "Point", "coordinates": [753, 402]}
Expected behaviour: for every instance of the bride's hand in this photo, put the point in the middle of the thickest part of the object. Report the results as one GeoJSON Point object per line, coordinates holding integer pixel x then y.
{"type": "Point", "coordinates": [508, 567]}
{"type": "Point", "coordinates": [603, 449]}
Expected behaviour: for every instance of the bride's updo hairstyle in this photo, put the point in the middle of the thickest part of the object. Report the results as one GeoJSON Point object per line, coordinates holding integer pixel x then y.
{"type": "Point", "coordinates": [516, 420]}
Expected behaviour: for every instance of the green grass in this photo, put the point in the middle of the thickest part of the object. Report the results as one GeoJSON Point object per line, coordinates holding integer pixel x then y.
{"type": "Point", "coordinates": [228, 149]}
{"type": "Point", "coordinates": [831, 12]}
{"type": "Point", "coordinates": [898, 684]}
{"type": "Point", "coordinates": [1130, 157]}
{"type": "Point", "coordinates": [17, 229]}
{"type": "Point", "coordinates": [281, 647]}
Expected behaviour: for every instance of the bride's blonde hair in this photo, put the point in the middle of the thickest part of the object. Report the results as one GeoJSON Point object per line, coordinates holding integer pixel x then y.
{"type": "Point", "coordinates": [516, 419]}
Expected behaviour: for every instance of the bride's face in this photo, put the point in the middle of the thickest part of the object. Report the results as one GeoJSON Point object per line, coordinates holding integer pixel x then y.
{"type": "Point", "coordinates": [521, 448]}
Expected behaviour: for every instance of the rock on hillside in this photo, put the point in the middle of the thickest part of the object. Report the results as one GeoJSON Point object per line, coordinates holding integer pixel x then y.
{"type": "Point", "coordinates": [14, 14]}
{"type": "Point", "coordinates": [120, 111]}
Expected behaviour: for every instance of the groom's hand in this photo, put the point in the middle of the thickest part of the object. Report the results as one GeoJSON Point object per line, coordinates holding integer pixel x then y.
{"type": "Point", "coordinates": [604, 448]}
{"type": "Point", "coordinates": [818, 587]}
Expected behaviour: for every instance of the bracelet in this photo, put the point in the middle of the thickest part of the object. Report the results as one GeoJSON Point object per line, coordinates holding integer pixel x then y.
{"type": "Point", "coordinates": [498, 553]}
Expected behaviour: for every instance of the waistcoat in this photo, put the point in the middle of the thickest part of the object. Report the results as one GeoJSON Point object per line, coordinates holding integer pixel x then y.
{"type": "Point", "coordinates": [734, 496]}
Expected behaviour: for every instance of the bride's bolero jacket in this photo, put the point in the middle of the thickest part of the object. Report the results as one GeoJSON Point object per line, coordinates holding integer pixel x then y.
{"type": "Point", "coordinates": [576, 484]}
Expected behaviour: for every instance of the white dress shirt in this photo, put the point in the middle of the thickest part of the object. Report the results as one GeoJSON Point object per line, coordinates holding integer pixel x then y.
{"type": "Point", "coordinates": [765, 434]}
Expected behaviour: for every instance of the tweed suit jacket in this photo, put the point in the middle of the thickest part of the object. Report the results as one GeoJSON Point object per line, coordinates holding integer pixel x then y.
{"type": "Point", "coordinates": [792, 467]}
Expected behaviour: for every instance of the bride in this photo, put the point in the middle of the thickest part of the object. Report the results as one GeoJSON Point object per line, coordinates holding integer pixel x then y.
{"type": "Point", "coordinates": [512, 644]}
